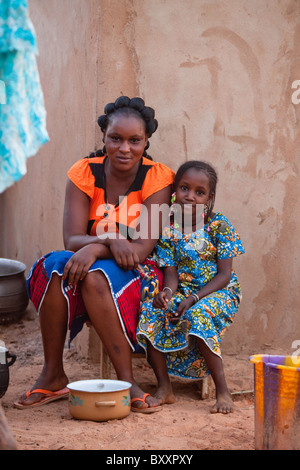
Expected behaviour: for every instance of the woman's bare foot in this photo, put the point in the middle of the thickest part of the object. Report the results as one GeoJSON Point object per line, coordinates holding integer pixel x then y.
{"type": "Point", "coordinates": [224, 404]}
{"type": "Point", "coordinates": [45, 382]}
{"type": "Point", "coordinates": [143, 401]}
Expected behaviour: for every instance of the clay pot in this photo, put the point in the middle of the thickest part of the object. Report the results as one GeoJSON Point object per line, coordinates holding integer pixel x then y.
{"type": "Point", "coordinates": [13, 294]}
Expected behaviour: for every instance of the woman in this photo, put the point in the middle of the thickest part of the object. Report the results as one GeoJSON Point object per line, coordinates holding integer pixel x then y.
{"type": "Point", "coordinates": [98, 272]}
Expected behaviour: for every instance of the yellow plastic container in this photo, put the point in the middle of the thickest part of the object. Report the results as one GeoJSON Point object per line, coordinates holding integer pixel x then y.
{"type": "Point", "coordinates": [277, 402]}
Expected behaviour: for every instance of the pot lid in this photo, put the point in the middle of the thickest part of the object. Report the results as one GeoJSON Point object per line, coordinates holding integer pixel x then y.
{"type": "Point", "coordinates": [98, 386]}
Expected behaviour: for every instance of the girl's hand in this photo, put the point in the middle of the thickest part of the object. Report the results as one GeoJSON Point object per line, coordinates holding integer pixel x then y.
{"type": "Point", "coordinates": [161, 300]}
{"type": "Point", "coordinates": [78, 265]}
{"type": "Point", "coordinates": [181, 308]}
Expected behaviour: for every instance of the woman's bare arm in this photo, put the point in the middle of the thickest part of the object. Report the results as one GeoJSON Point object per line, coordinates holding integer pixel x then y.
{"type": "Point", "coordinates": [152, 218]}
{"type": "Point", "coordinates": [76, 217]}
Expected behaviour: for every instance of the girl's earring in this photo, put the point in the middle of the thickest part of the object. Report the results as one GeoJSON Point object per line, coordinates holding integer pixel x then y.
{"type": "Point", "coordinates": [173, 204]}
{"type": "Point", "coordinates": [206, 213]}
{"type": "Point", "coordinates": [173, 209]}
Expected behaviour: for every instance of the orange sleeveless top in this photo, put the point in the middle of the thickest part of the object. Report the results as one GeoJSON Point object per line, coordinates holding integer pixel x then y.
{"type": "Point", "coordinates": [88, 175]}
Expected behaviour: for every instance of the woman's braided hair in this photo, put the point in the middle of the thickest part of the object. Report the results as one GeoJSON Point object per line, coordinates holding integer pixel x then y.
{"type": "Point", "coordinates": [206, 168]}
{"type": "Point", "coordinates": [128, 107]}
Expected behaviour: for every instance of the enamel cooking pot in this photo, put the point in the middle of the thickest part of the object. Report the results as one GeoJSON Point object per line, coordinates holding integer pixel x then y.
{"type": "Point", "coordinates": [99, 400]}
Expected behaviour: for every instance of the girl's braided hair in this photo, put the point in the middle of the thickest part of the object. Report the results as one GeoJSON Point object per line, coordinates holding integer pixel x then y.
{"type": "Point", "coordinates": [206, 168]}
{"type": "Point", "coordinates": [128, 107]}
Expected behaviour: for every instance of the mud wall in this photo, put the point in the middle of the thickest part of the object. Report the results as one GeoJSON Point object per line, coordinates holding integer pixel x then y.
{"type": "Point", "coordinates": [219, 75]}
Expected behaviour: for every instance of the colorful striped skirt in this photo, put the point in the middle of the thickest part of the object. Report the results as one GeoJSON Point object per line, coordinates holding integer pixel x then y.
{"type": "Point", "coordinates": [127, 287]}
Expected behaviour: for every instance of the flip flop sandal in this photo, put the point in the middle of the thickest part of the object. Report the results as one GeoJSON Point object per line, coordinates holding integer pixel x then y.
{"type": "Point", "coordinates": [49, 396]}
{"type": "Point", "coordinates": [148, 410]}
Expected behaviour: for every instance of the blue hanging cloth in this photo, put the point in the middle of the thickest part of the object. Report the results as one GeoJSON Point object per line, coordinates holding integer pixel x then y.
{"type": "Point", "coordinates": [22, 112]}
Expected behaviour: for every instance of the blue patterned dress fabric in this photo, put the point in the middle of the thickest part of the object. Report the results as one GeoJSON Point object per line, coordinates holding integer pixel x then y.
{"type": "Point", "coordinates": [22, 112]}
{"type": "Point", "coordinates": [195, 255]}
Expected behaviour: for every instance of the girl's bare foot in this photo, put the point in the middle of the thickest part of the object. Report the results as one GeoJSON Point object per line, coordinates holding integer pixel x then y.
{"type": "Point", "coordinates": [224, 404]}
{"type": "Point", "coordinates": [165, 395]}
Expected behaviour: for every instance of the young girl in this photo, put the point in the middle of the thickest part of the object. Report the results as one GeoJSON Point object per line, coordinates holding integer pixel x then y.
{"type": "Point", "coordinates": [182, 326]}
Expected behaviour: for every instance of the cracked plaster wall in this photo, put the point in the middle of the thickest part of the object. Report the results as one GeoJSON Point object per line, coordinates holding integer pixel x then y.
{"type": "Point", "coordinates": [219, 75]}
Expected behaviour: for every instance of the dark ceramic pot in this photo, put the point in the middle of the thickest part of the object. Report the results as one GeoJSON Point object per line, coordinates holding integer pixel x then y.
{"type": "Point", "coordinates": [4, 369]}
{"type": "Point", "coordinates": [13, 293]}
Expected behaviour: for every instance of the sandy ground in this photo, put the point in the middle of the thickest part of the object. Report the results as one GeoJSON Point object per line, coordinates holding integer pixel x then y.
{"type": "Point", "coordinates": [185, 425]}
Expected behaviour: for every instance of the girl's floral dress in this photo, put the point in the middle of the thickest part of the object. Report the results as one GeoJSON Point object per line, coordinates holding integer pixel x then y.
{"type": "Point", "coordinates": [195, 255]}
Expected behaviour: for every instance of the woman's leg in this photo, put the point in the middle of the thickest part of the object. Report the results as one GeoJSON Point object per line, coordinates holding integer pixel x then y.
{"type": "Point", "coordinates": [104, 317]}
{"type": "Point", "coordinates": [53, 321]}
{"type": "Point", "coordinates": [164, 392]}
{"type": "Point", "coordinates": [214, 364]}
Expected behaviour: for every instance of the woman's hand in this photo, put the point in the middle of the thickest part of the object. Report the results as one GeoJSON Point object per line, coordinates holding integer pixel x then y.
{"type": "Point", "coordinates": [123, 252]}
{"type": "Point", "coordinates": [79, 264]}
{"type": "Point", "coordinates": [181, 308]}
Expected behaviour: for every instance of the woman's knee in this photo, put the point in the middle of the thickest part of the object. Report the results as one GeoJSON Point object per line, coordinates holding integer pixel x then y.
{"type": "Point", "coordinates": [95, 282]}
{"type": "Point", "coordinates": [54, 302]}
{"type": "Point", "coordinates": [54, 287]}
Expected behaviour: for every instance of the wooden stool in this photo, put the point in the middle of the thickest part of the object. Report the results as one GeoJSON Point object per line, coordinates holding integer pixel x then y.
{"type": "Point", "coordinates": [204, 385]}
